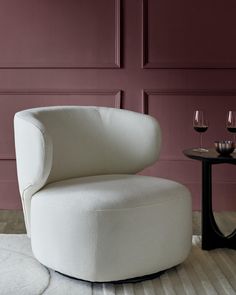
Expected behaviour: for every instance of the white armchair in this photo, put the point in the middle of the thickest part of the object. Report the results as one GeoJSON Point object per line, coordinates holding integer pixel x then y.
{"type": "Point", "coordinates": [87, 213]}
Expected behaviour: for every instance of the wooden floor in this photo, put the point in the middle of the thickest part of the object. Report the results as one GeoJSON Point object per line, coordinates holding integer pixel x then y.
{"type": "Point", "coordinates": [12, 222]}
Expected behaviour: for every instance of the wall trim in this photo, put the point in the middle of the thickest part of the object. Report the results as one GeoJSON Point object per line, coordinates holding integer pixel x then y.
{"type": "Point", "coordinates": [116, 92]}
{"type": "Point", "coordinates": [117, 34]}
{"type": "Point", "coordinates": [144, 31]}
{"type": "Point", "coordinates": [148, 64]}
{"type": "Point", "coordinates": [194, 92]}
{"type": "Point", "coordinates": [113, 65]}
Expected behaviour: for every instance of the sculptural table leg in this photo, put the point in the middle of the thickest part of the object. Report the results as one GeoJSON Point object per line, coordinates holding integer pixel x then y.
{"type": "Point", "coordinates": [212, 237]}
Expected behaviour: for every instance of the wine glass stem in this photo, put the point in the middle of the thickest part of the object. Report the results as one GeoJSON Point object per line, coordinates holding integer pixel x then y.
{"type": "Point", "coordinates": [200, 140]}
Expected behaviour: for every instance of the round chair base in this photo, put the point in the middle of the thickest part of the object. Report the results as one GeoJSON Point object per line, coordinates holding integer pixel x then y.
{"type": "Point", "coordinates": [127, 281]}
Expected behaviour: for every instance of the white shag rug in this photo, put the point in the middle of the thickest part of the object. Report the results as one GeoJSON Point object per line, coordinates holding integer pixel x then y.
{"type": "Point", "coordinates": [203, 273]}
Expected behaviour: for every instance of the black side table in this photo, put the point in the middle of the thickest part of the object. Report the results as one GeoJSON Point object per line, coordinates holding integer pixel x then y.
{"type": "Point", "coordinates": [212, 237]}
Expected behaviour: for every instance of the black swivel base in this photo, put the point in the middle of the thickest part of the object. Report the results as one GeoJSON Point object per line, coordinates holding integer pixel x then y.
{"type": "Point", "coordinates": [127, 281]}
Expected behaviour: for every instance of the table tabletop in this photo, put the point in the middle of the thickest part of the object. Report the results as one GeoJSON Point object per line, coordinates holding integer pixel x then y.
{"type": "Point", "coordinates": [210, 155]}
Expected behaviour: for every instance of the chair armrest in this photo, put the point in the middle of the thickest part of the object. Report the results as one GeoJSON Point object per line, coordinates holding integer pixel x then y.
{"type": "Point", "coordinates": [33, 159]}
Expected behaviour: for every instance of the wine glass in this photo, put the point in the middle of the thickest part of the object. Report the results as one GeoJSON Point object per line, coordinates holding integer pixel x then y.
{"type": "Point", "coordinates": [231, 124]}
{"type": "Point", "coordinates": [200, 124]}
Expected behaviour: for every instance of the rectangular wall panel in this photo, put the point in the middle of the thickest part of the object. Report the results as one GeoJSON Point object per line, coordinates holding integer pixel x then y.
{"type": "Point", "coordinates": [60, 34]}
{"type": "Point", "coordinates": [189, 34]}
{"type": "Point", "coordinates": [174, 111]}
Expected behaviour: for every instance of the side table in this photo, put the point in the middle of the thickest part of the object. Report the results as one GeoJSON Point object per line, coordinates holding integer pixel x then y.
{"type": "Point", "coordinates": [212, 237]}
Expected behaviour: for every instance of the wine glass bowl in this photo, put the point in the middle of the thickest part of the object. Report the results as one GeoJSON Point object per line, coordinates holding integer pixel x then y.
{"type": "Point", "coordinates": [200, 124]}
{"type": "Point", "coordinates": [200, 128]}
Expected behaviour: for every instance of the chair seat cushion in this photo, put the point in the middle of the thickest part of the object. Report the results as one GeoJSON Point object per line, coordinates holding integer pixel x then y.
{"type": "Point", "coordinates": [111, 227]}
{"type": "Point", "coordinates": [106, 192]}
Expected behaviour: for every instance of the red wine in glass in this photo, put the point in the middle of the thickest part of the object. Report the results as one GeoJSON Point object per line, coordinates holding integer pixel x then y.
{"type": "Point", "coordinates": [231, 129]}
{"type": "Point", "coordinates": [200, 128]}
{"type": "Point", "coordinates": [200, 124]}
{"type": "Point", "coordinates": [231, 124]}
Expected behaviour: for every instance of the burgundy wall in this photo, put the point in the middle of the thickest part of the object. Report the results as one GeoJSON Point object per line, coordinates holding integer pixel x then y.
{"type": "Point", "coordinates": [166, 58]}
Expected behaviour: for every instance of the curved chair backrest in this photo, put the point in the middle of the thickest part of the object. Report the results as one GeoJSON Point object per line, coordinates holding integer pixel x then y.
{"type": "Point", "coordinates": [57, 143]}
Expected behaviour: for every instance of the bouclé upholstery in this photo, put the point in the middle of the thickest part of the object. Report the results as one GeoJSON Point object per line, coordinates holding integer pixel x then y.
{"type": "Point", "coordinates": [88, 214]}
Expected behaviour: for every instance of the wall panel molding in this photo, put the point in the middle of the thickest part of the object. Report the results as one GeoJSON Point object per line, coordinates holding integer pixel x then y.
{"type": "Point", "coordinates": [175, 92]}
{"type": "Point", "coordinates": [116, 95]}
{"type": "Point", "coordinates": [147, 63]}
{"type": "Point", "coordinates": [117, 34]}
{"type": "Point", "coordinates": [174, 110]}
{"type": "Point", "coordinates": [116, 92]}
{"type": "Point", "coordinates": [75, 64]}
{"type": "Point", "coordinates": [144, 30]}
